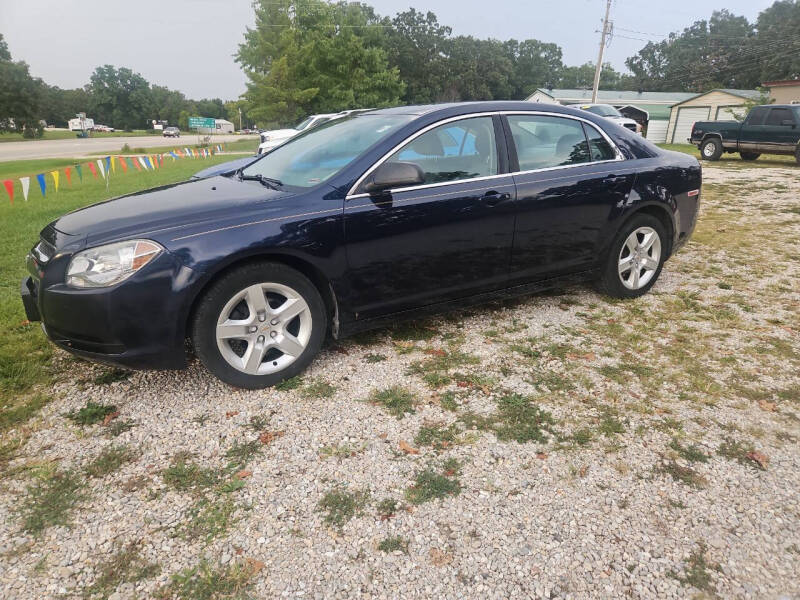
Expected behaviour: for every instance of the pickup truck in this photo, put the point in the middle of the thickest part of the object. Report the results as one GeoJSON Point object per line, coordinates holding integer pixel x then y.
{"type": "Point", "coordinates": [768, 129]}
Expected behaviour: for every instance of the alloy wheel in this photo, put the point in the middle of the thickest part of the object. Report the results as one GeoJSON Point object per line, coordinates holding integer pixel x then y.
{"type": "Point", "coordinates": [263, 328]}
{"type": "Point", "coordinates": [639, 258]}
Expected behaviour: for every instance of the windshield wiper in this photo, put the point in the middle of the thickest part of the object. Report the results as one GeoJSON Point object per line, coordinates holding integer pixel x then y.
{"type": "Point", "coordinates": [271, 183]}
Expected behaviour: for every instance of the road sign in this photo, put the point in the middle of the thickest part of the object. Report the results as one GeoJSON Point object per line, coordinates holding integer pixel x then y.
{"type": "Point", "coordinates": [198, 122]}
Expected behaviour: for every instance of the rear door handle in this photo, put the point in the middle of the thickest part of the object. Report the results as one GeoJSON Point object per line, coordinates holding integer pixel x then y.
{"type": "Point", "coordinates": [494, 198]}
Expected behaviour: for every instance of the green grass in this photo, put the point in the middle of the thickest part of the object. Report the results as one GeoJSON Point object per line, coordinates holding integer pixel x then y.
{"type": "Point", "coordinates": [340, 506]}
{"type": "Point", "coordinates": [208, 582]}
{"type": "Point", "coordinates": [394, 544]}
{"type": "Point", "coordinates": [184, 476]}
{"type": "Point", "coordinates": [124, 566]}
{"type": "Point", "coordinates": [109, 461]}
{"type": "Point", "coordinates": [59, 134]}
{"type": "Point", "coordinates": [91, 413]}
{"type": "Point", "coordinates": [431, 484]}
{"type": "Point", "coordinates": [319, 389]}
{"type": "Point", "coordinates": [387, 508]}
{"type": "Point", "coordinates": [733, 159]}
{"type": "Point", "coordinates": [25, 354]}
{"type": "Point", "coordinates": [437, 436]}
{"type": "Point", "coordinates": [207, 519]}
{"type": "Point", "coordinates": [112, 376]}
{"type": "Point", "coordinates": [52, 500]}
{"type": "Point", "coordinates": [697, 571]}
{"type": "Point", "coordinates": [396, 400]}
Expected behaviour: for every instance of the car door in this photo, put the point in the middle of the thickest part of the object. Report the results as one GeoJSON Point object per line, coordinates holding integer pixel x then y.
{"type": "Point", "coordinates": [781, 131]}
{"type": "Point", "coordinates": [447, 238]}
{"type": "Point", "coordinates": [569, 178]}
{"type": "Point", "coordinates": [753, 133]}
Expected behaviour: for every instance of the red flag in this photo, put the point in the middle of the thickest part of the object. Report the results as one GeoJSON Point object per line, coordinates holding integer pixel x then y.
{"type": "Point", "coordinates": [136, 163]}
{"type": "Point", "coordinates": [68, 173]}
{"type": "Point", "coordinates": [161, 160]}
{"type": "Point", "coordinates": [122, 164]}
{"type": "Point", "coordinates": [93, 169]}
{"type": "Point", "coordinates": [10, 189]}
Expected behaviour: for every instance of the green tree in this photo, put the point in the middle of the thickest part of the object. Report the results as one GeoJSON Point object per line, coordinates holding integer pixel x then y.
{"type": "Point", "coordinates": [4, 53]}
{"type": "Point", "coordinates": [20, 96]}
{"type": "Point", "coordinates": [120, 97]}
{"type": "Point", "coordinates": [779, 23]}
{"type": "Point", "coordinates": [312, 56]}
{"type": "Point", "coordinates": [535, 64]}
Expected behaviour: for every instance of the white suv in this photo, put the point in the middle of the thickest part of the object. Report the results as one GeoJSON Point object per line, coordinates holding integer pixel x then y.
{"type": "Point", "coordinates": [612, 114]}
{"type": "Point", "coordinates": [275, 137]}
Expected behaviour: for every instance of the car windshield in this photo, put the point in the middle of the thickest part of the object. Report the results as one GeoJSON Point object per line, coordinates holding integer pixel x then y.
{"type": "Point", "coordinates": [304, 124]}
{"type": "Point", "coordinates": [317, 155]}
{"type": "Point", "coordinates": [604, 110]}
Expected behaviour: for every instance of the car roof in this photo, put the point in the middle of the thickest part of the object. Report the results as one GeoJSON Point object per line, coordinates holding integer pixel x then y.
{"type": "Point", "coordinates": [464, 108]}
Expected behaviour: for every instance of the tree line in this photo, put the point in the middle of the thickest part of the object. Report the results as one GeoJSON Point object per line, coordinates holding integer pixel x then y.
{"type": "Point", "coordinates": [311, 56]}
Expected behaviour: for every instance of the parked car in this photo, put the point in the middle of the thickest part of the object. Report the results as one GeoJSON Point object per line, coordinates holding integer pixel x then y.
{"type": "Point", "coordinates": [106, 128]}
{"type": "Point", "coordinates": [171, 132]}
{"type": "Point", "coordinates": [355, 224]}
{"type": "Point", "coordinates": [273, 138]}
{"type": "Point", "coordinates": [609, 112]}
{"type": "Point", "coordinates": [770, 129]}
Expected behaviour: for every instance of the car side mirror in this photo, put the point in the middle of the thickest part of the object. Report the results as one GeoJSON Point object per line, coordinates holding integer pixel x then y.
{"type": "Point", "coordinates": [788, 123]}
{"type": "Point", "coordinates": [394, 174]}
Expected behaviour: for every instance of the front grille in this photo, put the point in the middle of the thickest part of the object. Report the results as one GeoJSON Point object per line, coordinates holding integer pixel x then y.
{"type": "Point", "coordinates": [43, 251]}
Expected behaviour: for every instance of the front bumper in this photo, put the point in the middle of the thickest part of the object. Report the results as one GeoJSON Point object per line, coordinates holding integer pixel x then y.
{"type": "Point", "coordinates": [138, 323]}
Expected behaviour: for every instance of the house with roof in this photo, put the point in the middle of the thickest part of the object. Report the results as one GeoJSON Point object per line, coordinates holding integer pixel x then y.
{"type": "Point", "coordinates": [785, 91]}
{"type": "Point", "coordinates": [650, 109]}
{"type": "Point", "coordinates": [716, 105]}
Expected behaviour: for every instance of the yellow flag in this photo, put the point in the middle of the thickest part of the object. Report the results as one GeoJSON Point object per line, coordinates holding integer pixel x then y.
{"type": "Point", "coordinates": [113, 166]}
{"type": "Point", "coordinates": [55, 175]}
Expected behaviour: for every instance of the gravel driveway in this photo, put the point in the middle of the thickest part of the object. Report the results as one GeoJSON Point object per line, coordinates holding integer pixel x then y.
{"type": "Point", "coordinates": [561, 446]}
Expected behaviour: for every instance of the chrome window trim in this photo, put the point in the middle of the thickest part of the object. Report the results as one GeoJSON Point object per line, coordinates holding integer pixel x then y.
{"type": "Point", "coordinates": [352, 195]}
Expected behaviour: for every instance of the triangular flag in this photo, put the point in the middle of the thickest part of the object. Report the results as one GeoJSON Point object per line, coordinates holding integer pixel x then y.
{"type": "Point", "coordinates": [80, 172]}
{"type": "Point", "coordinates": [131, 162]}
{"type": "Point", "coordinates": [68, 173]}
{"type": "Point", "coordinates": [93, 169]}
{"type": "Point", "coordinates": [110, 163]}
{"type": "Point", "coordinates": [55, 179]}
{"type": "Point", "coordinates": [141, 162]}
{"type": "Point", "coordinates": [25, 182]}
{"type": "Point", "coordinates": [154, 161]}
{"type": "Point", "coordinates": [147, 162]}
{"type": "Point", "coordinates": [102, 168]}
{"type": "Point", "coordinates": [135, 162]}
{"type": "Point", "coordinates": [10, 189]}
{"type": "Point", "coordinates": [42, 184]}
{"type": "Point", "coordinates": [122, 164]}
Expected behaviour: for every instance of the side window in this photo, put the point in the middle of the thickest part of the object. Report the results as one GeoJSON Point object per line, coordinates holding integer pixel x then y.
{"type": "Point", "coordinates": [543, 141]}
{"type": "Point", "coordinates": [459, 150]}
{"type": "Point", "coordinates": [599, 147]}
{"type": "Point", "coordinates": [756, 116]}
{"type": "Point", "coordinates": [778, 115]}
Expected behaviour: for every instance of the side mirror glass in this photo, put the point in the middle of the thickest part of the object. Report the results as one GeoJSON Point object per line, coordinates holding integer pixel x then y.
{"type": "Point", "coordinates": [394, 174]}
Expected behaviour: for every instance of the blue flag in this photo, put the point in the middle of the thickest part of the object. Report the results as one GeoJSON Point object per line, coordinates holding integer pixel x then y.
{"type": "Point", "coordinates": [42, 183]}
{"type": "Point", "coordinates": [147, 162]}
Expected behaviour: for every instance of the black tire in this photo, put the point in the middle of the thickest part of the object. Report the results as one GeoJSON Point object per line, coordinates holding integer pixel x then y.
{"type": "Point", "coordinates": [610, 280]}
{"type": "Point", "coordinates": [797, 155]}
{"type": "Point", "coordinates": [711, 149]}
{"type": "Point", "coordinates": [749, 155]}
{"type": "Point", "coordinates": [215, 299]}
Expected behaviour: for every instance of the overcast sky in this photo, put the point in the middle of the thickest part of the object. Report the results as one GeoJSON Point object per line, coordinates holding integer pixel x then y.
{"type": "Point", "coordinates": [189, 44]}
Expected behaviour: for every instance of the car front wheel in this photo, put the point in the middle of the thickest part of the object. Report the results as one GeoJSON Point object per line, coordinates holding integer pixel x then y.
{"type": "Point", "coordinates": [258, 325]}
{"type": "Point", "coordinates": [635, 260]}
{"type": "Point", "coordinates": [711, 149]}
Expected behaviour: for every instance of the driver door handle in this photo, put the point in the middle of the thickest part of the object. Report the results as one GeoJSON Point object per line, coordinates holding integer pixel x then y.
{"type": "Point", "coordinates": [494, 198]}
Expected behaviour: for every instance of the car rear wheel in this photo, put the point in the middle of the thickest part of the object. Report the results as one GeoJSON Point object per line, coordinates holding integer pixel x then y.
{"type": "Point", "coordinates": [258, 325]}
{"type": "Point", "coordinates": [635, 260]}
{"type": "Point", "coordinates": [749, 155]}
{"type": "Point", "coordinates": [711, 149]}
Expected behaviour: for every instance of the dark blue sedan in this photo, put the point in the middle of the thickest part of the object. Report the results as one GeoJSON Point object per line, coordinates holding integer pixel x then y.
{"type": "Point", "coordinates": [380, 216]}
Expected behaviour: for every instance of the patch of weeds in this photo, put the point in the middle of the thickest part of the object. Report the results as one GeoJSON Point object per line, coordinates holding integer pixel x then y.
{"type": "Point", "coordinates": [9, 451]}
{"type": "Point", "coordinates": [723, 285]}
{"type": "Point", "coordinates": [697, 571]}
{"type": "Point", "coordinates": [520, 420]}
{"type": "Point", "coordinates": [436, 380]}
{"type": "Point", "coordinates": [91, 413]}
{"type": "Point", "coordinates": [109, 460]}
{"type": "Point", "coordinates": [374, 358]}
{"type": "Point", "coordinates": [434, 483]}
{"type": "Point", "coordinates": [135, 483]}
{"type": "Point", "coordinates": [552, 382]}
{"type": "Point", "coordinates": [111, 376]}
{"type": "Point", "coordinates": [676, 504]}
{"type": "Point", "coordinates": [258, 423]}
{"type": "Point", "coordinates": [525, 351]}
{"type": "Point", "coordinates": [582, 437]}
{"type": "Point", "coordinates": [40, 568]}
{"type": "Point", "coordinates": [184, 476]}
{"type": "Point", "coordinates": [437, 436]}
{"type": "Point", "coordinates": [124, 566]}
{"type": "Point", "coordinates": [340, 506]}
{"type": "Point", "coordinates": [289, 384]}
{"type": "Point", "coordinates": [201, 419]}
{"type": "Point", "coordinates": [475, 380]}
{"type": "Point", "coordinates": [413, 331]}
{"type": "Point", "coordinates": [609, 425]}
{"type": "Point", "coordinates": [621, 374]}
{"type": "Point", "coordinates": [206, 582]}
{"type": "Point", "coordinates": [447, 401]}
{"type": "Point", "coordinates": [441, 361]}
{"type": "Point", "coordinates": [691, 453]}
{"type": "Point", "coordinates": [387, 508]}
{"type": "Point", "coordinates": [341, 451]}
{"type": "Point", "coordinates": [738, 451]}
{"type": "Point", "coordinates": [394, 544]}
{"type": "Point", "coordinates": [208, 519]}
{"type": "Point", "coordinates": [396, 400]}
{"type": "Point", "coordinates": [319, 389]}
{"type": "Point", "coordinates": [668, 424]}
{"type": "Point", "coordinates": [20, 411]}
{"type": "Point", "coordinates": [685, 475]}
{"type": "Point", "coordinates": [368, 338]}
{"type": "Point", "coordinates": [242, 453]}
{"type": "Point", "coordinates": [117, 427]}
{"type": "Point", "coordinates": [52, 501]}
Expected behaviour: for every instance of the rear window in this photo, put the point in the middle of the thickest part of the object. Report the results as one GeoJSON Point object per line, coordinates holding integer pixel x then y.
{"type": "Point", "coordinates": [756, 116]}
{"type": "Point", "coordinates": [778, 115]}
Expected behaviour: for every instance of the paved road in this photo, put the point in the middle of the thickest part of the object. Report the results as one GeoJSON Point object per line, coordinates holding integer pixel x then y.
{"type": "Point", "coordinates": [77, 148]}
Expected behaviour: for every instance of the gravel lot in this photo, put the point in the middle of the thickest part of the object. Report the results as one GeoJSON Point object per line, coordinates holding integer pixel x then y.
{"type": "Point", "coordinates": [580, 448]}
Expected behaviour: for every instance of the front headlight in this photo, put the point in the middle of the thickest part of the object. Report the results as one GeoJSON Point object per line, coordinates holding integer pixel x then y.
{"type": "Point", "coordinates": [106, 265]}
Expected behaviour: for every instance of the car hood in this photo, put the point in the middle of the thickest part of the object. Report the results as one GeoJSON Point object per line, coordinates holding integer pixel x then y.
{"type": "Point", "coordinates": [165, 209]}
{"type": "Point", "coordinates": [227, 167]}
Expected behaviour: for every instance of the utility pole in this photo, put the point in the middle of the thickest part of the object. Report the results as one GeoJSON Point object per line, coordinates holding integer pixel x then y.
{"type": "Point", "coordinates": [603, 39]}
{"type": "Point", "coordinates": [240, 118]}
